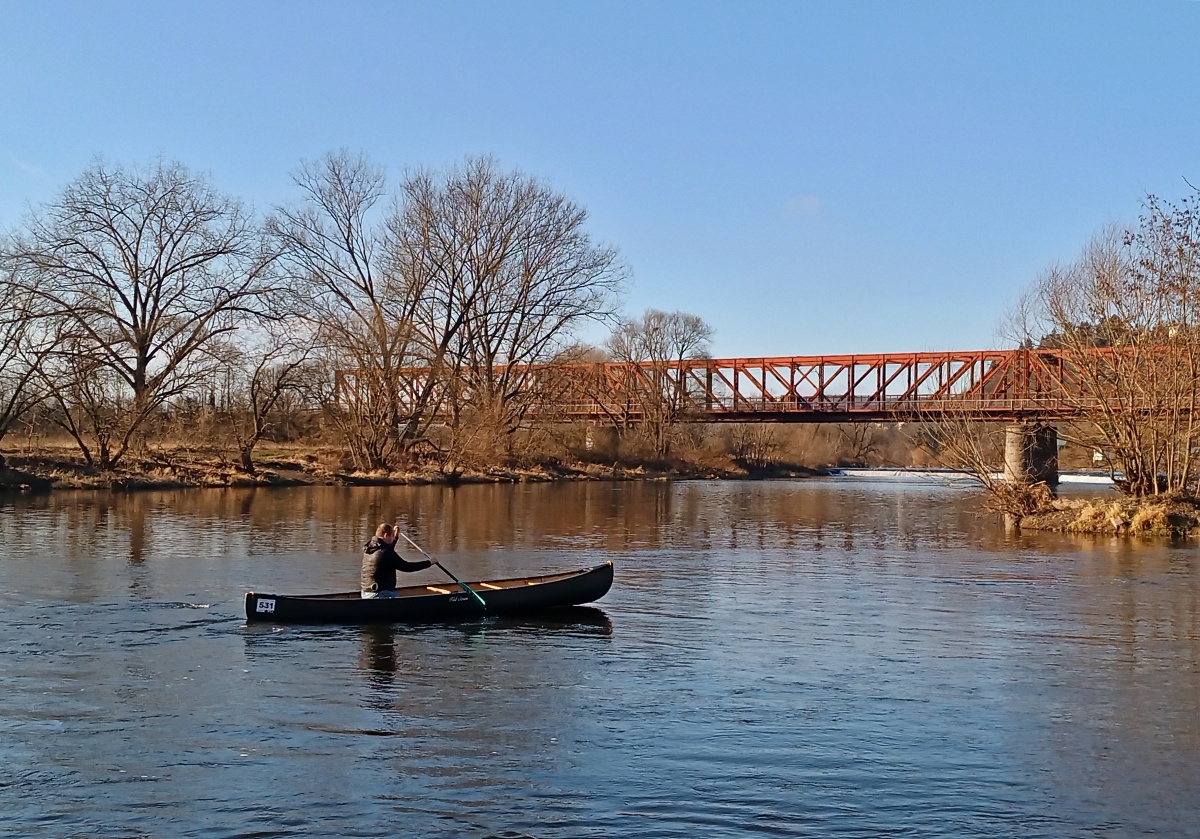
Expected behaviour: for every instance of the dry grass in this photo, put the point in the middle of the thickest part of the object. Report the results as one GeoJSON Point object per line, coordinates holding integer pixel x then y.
{"type": "Point", "coordinates": [1147, 518]}
{"type": "Point", "coordinates": [1100, 517]}
{"type": "Point", "coordinates": [169, 465]}
{"type": "Point", "coordinates": [1153, 520]}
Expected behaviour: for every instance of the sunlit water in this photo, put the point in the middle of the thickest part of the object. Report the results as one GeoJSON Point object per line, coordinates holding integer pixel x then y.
{"type": "Point", "coordinates": [810, 658]}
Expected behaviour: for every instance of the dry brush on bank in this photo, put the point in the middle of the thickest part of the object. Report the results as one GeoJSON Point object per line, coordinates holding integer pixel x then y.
{"type": "Point", "coordinates": [1171, 518]}
{"type": "Point", "coordinates": [201, 449]}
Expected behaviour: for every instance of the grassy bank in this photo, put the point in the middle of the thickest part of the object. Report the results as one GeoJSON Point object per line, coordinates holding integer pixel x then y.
{"type": "Point", "coordinates": [1153, 518]}
{"type": "Point", "coordinates": [62, 467]}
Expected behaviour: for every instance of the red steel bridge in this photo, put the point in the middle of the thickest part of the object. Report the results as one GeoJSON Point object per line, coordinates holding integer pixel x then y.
{"type": "Point", "coordinates": [999, 385]}
{"type": "Point", "coordinates": [989, 384]}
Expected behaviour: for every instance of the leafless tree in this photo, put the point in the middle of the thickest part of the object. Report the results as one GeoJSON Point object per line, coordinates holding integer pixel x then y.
{"type": "Point", "coordinates": [753, 444]}
{"type": "Point", "coordinates": [441, 303]}
{"type": "Point", "coordinates": [340, 247]}
{"type": "Point", "coordinates": [145, 270]}
{"type": "Point", "coordinates": [859, 440]}
{"type": "Point", "coordinates": [655, 347]}
{"type": "Point", "coordinates": [1125, 319]}
{"type": "Point", "coordinates": [509, 273]}
{"type": "Point", "coordinates": [271, 367]}
{"type": "Point", "coordinates": [90, 400]}
{"type": "Point", "coordinates": [959, 440]}
{"type": "Point", "coordinates": [26, 339]}
{"type": "Point", "coordinates": [1126, 315]}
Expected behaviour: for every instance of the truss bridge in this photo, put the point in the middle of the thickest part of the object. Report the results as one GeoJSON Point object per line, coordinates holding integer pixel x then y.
{"type": "Point", "coordinates": [1028, 389]}
{"type": "Point", "coordinates": [998, 385]}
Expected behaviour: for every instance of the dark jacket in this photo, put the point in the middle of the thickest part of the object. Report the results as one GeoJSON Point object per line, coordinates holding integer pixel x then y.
{"type": "Point", "coordinates": [380, 563]}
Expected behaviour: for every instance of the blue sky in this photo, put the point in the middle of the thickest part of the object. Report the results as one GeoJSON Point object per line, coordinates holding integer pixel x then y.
{"type": "Point", "coordinates": [808, 177]}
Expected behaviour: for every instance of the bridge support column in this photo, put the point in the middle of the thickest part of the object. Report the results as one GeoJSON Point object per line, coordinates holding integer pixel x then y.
{"type": "Point", "coordinates": [1031, 453]}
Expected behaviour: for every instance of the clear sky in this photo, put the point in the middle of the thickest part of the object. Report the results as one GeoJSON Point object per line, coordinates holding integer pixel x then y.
{"type": "Point", "coordinates": [808, 177]}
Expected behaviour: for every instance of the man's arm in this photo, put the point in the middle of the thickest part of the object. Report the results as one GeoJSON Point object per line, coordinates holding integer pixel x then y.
{"type": "Point", "coordinates": [401, 564]}
{"type": "Point", "coordinates": [405, 565]}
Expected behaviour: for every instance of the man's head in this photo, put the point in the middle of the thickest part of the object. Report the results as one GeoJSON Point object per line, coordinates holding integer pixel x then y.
{"type": "Point", "coordinates": [387, 533]}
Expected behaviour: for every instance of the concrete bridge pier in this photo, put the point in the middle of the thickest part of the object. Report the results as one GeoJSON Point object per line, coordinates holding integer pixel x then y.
{"type": "Point", "coordinates": [1031, 453]}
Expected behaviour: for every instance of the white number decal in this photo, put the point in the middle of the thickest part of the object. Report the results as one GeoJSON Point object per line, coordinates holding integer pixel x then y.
{"type": "Point", "coordinates": [265, 606]}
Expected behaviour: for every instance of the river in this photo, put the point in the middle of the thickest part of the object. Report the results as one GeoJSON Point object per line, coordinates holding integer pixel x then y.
{"type": "Point", "coordinates": [794, 658]}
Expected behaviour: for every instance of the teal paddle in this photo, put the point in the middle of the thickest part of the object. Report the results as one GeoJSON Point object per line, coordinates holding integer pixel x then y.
{"type": "Point", "coordinates": [464, 586]}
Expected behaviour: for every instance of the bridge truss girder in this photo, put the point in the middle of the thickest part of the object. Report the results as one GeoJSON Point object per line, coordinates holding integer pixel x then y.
{"type": "Point", "coordinates": [985, 385]}
{"type": "Point", "coordinates": [988, 385]}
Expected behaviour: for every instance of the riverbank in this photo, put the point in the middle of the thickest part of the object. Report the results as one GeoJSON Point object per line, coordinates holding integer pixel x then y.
{"type": "Point", "coordinates": [1108, 514]}
{"type": "Point", "coordinates": [1172, 518]}
{"type": "Point", "coordinates": [63, 469]}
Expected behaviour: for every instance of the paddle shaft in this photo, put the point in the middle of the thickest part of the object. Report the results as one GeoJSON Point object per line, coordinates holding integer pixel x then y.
{"type": "Point", "coordinates": [449, 574]}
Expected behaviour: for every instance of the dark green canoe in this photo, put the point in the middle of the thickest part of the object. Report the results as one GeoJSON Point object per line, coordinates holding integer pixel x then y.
{"type": "Point", "coordinates": [436, 602]}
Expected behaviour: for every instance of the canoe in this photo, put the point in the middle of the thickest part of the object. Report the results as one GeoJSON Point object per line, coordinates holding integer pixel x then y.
{"type": "Point", "coordinates": [436, 602]}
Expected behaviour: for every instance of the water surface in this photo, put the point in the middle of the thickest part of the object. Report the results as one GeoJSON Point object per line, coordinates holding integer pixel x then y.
{"type": "Point", "coordinates": [806, 658]}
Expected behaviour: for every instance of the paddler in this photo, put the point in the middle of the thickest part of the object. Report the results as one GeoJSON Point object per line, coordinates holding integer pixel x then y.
{"type": "Point", "coordinates": [380, 563]}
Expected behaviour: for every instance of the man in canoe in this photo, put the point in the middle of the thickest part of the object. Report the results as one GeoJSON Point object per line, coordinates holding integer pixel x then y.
{"type": "Point", "coordinates": [380, 563]}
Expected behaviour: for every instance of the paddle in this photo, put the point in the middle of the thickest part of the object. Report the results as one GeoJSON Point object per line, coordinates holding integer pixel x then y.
{"type": "Point", "coordinates": [464, 586]}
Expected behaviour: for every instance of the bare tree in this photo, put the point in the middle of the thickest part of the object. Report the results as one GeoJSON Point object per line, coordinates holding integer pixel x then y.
{"type": "Point", "coordinates": [752, 444]}
{"type": "Point", "coordinates": [89, 399]}
{"type": "Point", "coordinates": [145, 270]}
{"type": "Point", "coordinates": [26, 340]}
{"type": "Point", "coordinates": [509, 273]}
{"type": "Point", "coordinates": [960, 440]}
{"type": "Point", "coordinates": [859, 440]}
{"type": "Point", "coordinates": [654, 347]}
{"type": "Point", "coordinates": [1126, 315]}
{"type": "Point", "coordinates": [361, 303]}
{"type": "Point", "coordinates": [270, 368]}
{"type": "Point", "coordinates": [440, 304]}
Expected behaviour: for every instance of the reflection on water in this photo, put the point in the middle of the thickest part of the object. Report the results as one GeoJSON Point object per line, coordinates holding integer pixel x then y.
{"type": "Point", "coordinates": [378, 658]}
{"type": "Point", "coordinates": [794, 658]}
{"type": "Point", "coordinates": [603, 516]}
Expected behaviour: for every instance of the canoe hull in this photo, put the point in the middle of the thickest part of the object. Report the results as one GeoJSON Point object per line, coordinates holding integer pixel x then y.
{"type": "Point", "coordinates": [436, 603]}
